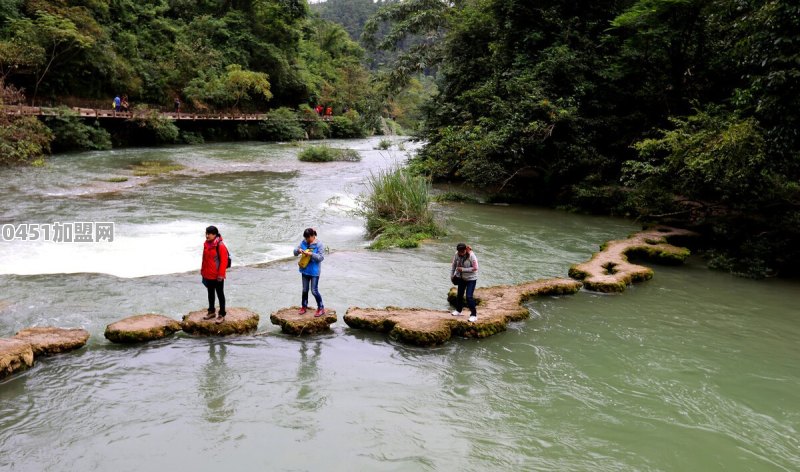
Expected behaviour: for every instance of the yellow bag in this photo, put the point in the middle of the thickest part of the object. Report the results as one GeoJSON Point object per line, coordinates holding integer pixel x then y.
{"type": "Point", "coordinates": [304, 260]}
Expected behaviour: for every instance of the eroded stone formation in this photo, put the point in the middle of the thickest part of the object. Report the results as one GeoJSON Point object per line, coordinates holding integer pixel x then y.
{"type": "Point", "coordinates": [610, 271]}
{"type": "Point", "coordinates": [141, 328]}
{"type": "Point", "coordinates": [293, 323]}
{"type": "Point", "coordinates": [18, 353]}
{"type": "Point", "coordinates": [237, 321]}
{"type": "Point", "coordinates": [15, 355]}
{"type": "Point", "coordinates": [423, 327]}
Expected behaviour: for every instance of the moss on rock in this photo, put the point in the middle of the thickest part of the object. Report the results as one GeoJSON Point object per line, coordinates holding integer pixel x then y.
{"type": "Point", "coordinates": [15, 355]}
{"type": "Point", "coordinates": [141, 328]}
{"type": "Point", "coordinates": [47, 340]}
{"type": "Point", "coordinates": [293, 323]}
{"type": "Point", "coordinates": [237, 321]}
{"type": "Point", "coordinates": [610, 270]}
{"type": "Point", "coordinates": [425, 327]}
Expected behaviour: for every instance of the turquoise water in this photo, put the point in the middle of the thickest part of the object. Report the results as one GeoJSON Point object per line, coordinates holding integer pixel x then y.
{"type": "Point", "coordinates": [693, 370]}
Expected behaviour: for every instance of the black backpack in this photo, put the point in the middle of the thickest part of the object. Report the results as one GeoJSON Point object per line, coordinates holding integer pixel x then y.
{"type": "Point", "coordinates": [230, 257]}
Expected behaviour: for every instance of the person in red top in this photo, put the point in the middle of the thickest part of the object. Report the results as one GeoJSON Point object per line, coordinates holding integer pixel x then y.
{"type": "Point", "coordinates": [215, 262]}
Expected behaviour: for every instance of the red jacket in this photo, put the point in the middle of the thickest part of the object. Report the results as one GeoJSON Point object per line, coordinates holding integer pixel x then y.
{"type": "Point", "coordinates": [215, 259]}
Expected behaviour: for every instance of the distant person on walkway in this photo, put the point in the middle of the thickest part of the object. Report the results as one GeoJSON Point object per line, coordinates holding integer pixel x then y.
{"type": "Point", "coordinates": [124, 105]}
{"type": "Point", "coordinates": [215, 262]}
{"type": "Point", "coordinates": [117, 104]}
{"type": "Point", "coordinates": [311, 252]}
{"type": "Point", "coordinates": [328, 113]}
{"type": "Point", "coordinates": [319, 110]}
{"type": "Point", "coordinates": [177, 105]}
{"type": "Point", "coordinates": [464, 275]}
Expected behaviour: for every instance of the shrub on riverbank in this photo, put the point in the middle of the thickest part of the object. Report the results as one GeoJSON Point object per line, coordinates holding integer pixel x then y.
{"type": "Point", "coordinates": [397, 209]}
{"type": "Point", "coordinates": [347, 126]}
{"type": "Point", "coordinates": [157, 127]}
{"type": "Point", "coordinates": [71, 133]}
{"type": "Point", "coordinates": [328, 154]}
{"type": "Point", "coordinates": [282, 125]}
{"type": "Point", "coordinates": [23, 140]}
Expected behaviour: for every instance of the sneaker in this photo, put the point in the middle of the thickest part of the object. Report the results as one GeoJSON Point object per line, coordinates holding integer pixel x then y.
{"type": "Point", "coordinates": [320, 312]}
{"type": "Point", "coordinates": [219, 319]}
{"type": "Point", "coordinates": [302, 311]}
{"type": "Point", "coordinates": [473, 318]}
{"type": "Point", "coordinates": [456, 313]}
{"type": "Point", "coordinates": [210, 315]}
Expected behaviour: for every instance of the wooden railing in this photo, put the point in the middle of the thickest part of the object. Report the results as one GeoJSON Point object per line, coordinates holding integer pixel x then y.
{"type": "Point", "coordinates": [104, 113]}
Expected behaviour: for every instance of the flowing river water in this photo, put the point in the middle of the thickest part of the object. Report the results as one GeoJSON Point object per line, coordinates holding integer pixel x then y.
{"type": "Point", "coordinates": [693, 370]}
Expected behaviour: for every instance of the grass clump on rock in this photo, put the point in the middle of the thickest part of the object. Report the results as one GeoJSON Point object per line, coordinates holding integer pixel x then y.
{"type": "Point", "coordinates": [328, 154]}
{"type": "Point", "coordinates": [397, 209]}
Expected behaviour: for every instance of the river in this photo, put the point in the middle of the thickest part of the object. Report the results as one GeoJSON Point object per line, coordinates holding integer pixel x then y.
{"type": "Point", "coordinates": [693, 370]}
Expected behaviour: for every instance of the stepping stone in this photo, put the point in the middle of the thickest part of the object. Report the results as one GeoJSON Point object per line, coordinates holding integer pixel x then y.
{"type": "Point", "coordinates": [424, 327]}
{"type": "Point", "coordinates": [46, 341]}
{"type": "Point", "coordinates": [141, 328]}
{"type": "Point", "coordinates": [237, 321]}
{"type": "Point", "coordinates": [298, 325]}
{"type": "Point", "coordinates": [15, 355]}
{"type": "Point", "coordinates": [609, 269]}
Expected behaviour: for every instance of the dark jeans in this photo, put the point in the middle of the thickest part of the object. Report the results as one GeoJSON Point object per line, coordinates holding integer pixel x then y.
{"type": "Point", "coordinates": [313, 282]}
{"type": "Point", "coordinates": [219, 287]}
{"type": "Point", "coordinates": [469, 287]}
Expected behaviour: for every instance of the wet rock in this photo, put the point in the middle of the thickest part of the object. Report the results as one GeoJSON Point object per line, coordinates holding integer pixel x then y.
{"type": "Point", "coordinates": [141, 328]}
{"type": "Point", "coordinates": [47, 340]}
{"type": "Point", "coordinates": [610, 271]}
{"type": "Point", "coordinates": [237, 321]}
{"type": "Point", "coordinates": [299, 325]}
{"type": "Point", "coordinates": [424, 327]}
{"type": "Point", "coordinates": [15, 355]}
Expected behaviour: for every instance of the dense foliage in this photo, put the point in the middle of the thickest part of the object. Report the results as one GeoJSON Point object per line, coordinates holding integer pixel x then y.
{"type": "Point", "coordinates": [671, 110]}
{"type": "Point", "coordinates": [212, 55]}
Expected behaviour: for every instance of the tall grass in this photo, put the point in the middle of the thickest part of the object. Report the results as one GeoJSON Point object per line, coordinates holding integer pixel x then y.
{"type": "Point", "coordinates": [397, 209]}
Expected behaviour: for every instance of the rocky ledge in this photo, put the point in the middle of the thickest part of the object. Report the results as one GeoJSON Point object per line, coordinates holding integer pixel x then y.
{"type": "Point", "coordinates": [423, 327]}
{"type": "Point", "coordinates": [47, 340]}
{"type": "Point", "coordinates": [15, 355]}
{"type": "Point", "coordinates": [237, 321]}
{"type": "Point", "coordinates": [610, 271]}
{"type": "Point", "coordinates": [293, 323]}
{"type": "Point", "coordinates": [141, 328]}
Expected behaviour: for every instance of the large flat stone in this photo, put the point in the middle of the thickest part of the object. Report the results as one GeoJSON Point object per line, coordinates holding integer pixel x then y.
{"type": "Point", "coordinates": [15, 355]}
{"type": "Point", "coordinates": [141, 328]}
{"type": "Point", "coordinates": [425, 327]}
{"type": "Point", "coordinates": [610, 271]}
{"type": "Point", "coordinates": [237, 321]}
{"type": "Point", "coordinates": [293, 323]}
{"type": "Point", "coordinates": [48, 340]}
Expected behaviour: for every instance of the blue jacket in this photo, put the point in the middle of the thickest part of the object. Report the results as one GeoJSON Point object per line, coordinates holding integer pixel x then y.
{"type": "Point", "coordinates": [313, 267]}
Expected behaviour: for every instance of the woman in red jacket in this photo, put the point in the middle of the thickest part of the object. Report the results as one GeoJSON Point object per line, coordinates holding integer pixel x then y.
{"type": "Point", "coordinates": [215, 261]}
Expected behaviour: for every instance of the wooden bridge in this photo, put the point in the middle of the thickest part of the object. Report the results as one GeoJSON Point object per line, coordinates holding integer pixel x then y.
{"type": "Point", "coordinates": [127, 115]}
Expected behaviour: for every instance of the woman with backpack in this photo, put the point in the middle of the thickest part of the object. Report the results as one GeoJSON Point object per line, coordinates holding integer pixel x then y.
{"type": "Point", "coordinates": [464, 275]}
{"type": "Point", "coordinates": [215, 262]}
{"type": "Point", "coordinates": [310, 263]}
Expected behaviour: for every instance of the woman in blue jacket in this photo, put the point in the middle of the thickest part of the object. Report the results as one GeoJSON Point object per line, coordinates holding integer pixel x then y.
{"type": "Point", "coordinates": [312, 252]}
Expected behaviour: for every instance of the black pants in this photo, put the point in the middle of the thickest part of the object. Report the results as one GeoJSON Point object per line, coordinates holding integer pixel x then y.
{"type": "Point", "coordinates": [219, 287]}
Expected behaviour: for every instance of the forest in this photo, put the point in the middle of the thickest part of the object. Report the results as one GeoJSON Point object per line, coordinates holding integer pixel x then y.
{"type": "Point", "coordinates": [672, 111]}
{"type": "Point", "coordinates": [676, 111]}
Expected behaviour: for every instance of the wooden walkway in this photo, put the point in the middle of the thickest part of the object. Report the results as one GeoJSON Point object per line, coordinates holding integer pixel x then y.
{"type": "Point", "coordinates": [123, 115]}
